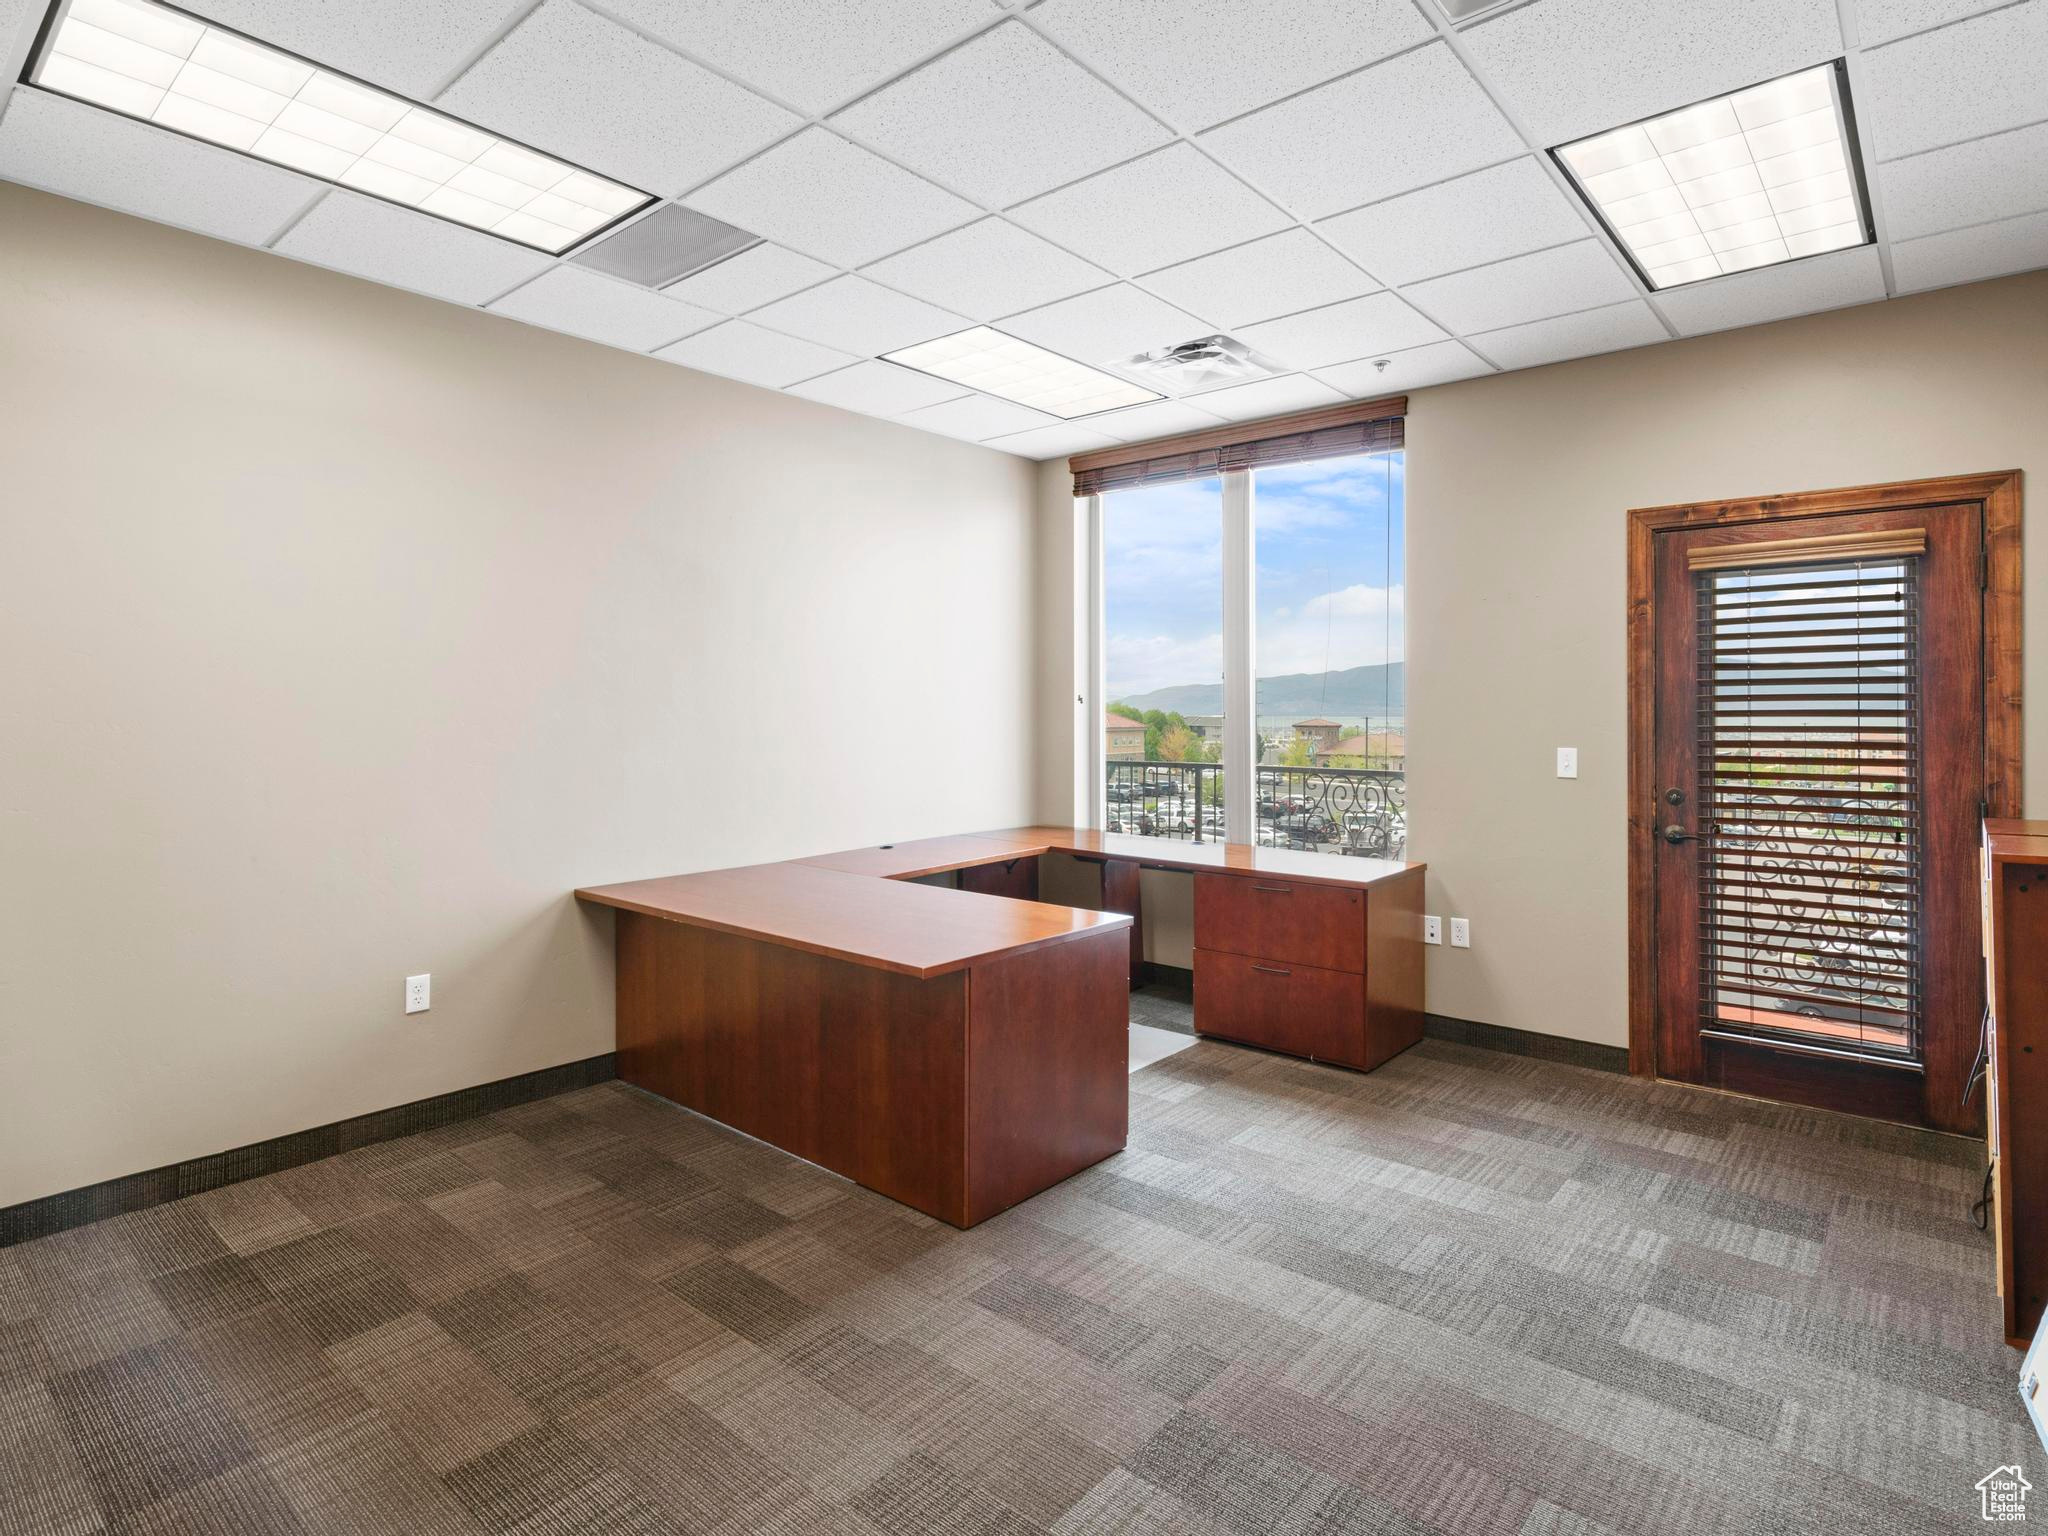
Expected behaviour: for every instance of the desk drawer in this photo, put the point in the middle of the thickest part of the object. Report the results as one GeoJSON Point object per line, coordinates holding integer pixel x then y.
{"type": "Point", "coordinates": [1295, 1008]}
{"type": "Point", "coordinates": [1281, 920]}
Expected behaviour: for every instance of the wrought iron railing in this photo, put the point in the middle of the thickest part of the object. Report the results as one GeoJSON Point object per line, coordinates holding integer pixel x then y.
{"type": "Point", "coordinates": [1360, 811]}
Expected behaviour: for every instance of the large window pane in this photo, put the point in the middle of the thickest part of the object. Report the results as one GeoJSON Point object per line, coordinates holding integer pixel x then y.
{"type": "Point", "coordinates": [1331, 691]}
{"type": "Point", "coordinates": [1162, 558]}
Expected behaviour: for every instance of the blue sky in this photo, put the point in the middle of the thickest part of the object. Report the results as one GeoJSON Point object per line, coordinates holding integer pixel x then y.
{"type": "Point", "coordinates": [1330, 551]}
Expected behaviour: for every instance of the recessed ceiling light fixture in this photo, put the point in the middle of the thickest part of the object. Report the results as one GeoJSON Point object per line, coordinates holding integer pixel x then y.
{"type": "Point", "coordinates": [1764, 175]}
{"type": "Point", "coordinates": [1000, 365]}
{"type": "Point", "coordinates": [154, 62]}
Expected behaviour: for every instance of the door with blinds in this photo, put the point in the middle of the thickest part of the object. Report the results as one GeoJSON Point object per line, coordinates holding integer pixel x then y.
{"type": "Point", "coordinates": [1820, 774]}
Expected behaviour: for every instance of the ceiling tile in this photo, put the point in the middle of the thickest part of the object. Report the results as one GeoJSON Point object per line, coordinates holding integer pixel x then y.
{"type": "Point", "coordinates": [1401, 124]}
{"type": "Point", "coordinates": [810, 55]}
{"type": "Point", "coordinates": [740, 350]}
{"type": "Point", "coordinates": [1553, 282]}
{"type": "Point", "coordinates": [1267, 397]}
{"type": "Point", "coordinates": [1279, 275]}
{"type": "Point", "coordinates": [1971, 255]}
{"type": "Point", "coordinates": [988, 270]}
{"type": "Point", "coordinates": [574, 84]}
{"type": "Point", "coordinates": [1165, 208]}
{"type": "Point", "coordinates": [1568, 336]}
{"type": "Point", "coordinates": [1804, 287]}
{"type": "Point", "coordinates": [1881, 21]}
{"type": "Point", "coordinates": [603, 309]}
{"type": "Point", "coordinates": [1200, 61]}
{"type": "Point", "coordinates": [389, 244]}
{"type": "Point", "coordinates": [1568, 68]}
{"type": "Point", "coordinates": [1971, 183]}
{"type": "Point", "coordinates": [403, 45]}
{"type": "Point", "coordinates": [831, 199]}
{"type": "Point", "coordinates": [101, 157]}
{"type": "Point", "coordinates": [1367, 327]}
{"type": "Point", "coordinates": [858, 316]}
{"type": "Point", "coordinates": [877, 389]}
{"type": "Point", "coordinates": [757, 276]}
{"type": "Point", "coordinates": [1106, 326]}
{"type": "Point", "coordinates": [1051, 442]}
{"type": "Point", "coordinates": [1959, 82]}
{"type": "Point", "coordinates": [1442, 362]}
{"type": "Point", "coordinates": [1503, 211]}
{"type": "Point", "coordinates": [978, 418]}
{"type": "Point", "coordinates": [1162, 418]}
{"type": "Point", "coordinates": [1002, 118]}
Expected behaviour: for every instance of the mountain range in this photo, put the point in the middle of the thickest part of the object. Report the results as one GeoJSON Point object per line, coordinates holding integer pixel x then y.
{"type": "Point", "coordinates": [1377, 690]}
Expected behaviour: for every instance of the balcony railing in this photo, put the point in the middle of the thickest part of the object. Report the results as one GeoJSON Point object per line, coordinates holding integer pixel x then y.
{"type": "Point", "coordinates": [1359, 811]}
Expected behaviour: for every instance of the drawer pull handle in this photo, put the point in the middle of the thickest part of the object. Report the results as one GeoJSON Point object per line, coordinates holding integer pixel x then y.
{"type": "Point", "coordinates": [1272, 970]}
{"type": "Point", "coordinates": [1275, 890]}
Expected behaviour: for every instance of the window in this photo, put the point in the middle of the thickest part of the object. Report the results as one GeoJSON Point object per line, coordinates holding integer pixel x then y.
{"type": "Point", "coordinates": [1250, 645]}
{"type": "Point", "coordinates": [1331, 732]}
{"type": "Point", "coordinates": [1163, 659]}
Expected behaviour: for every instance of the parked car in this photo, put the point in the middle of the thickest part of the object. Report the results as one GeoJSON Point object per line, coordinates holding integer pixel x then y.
{"type": "Point", "coordinates": [1308, 828]}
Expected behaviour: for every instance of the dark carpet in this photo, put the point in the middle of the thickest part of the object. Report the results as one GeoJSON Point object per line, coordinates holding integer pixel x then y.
{"type": "Point", "coordinates": [1468, 1293]}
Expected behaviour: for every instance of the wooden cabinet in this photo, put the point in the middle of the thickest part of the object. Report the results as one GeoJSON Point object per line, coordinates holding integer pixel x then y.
{"type": "Point", "coordinates": [1299, 1009]}
{"type": "Point", "coordinates": [2015, 869]}
{"type": "Point", "coordinates": [1325, 971]}
{"type": "Point", "coordinates": [1320, 925]}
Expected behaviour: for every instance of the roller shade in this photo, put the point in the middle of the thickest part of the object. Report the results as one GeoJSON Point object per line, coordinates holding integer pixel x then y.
{"type": "Point", "coordinates": [1363, 426]}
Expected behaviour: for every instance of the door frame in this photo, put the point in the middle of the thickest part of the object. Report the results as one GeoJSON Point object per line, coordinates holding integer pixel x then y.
{"type": "Point", "coordinates": [1998, 493]}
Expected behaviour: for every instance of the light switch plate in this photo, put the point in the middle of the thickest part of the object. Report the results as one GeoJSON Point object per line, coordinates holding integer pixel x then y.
{"type": "Point", "coordinates": [1432, 930]}
{"type": "Point", "coordinates": [419, 993]}
{"type": "Point", "coordinates": [1567, 762]}
{"type": "Point", "coordinates": [1461, 933]}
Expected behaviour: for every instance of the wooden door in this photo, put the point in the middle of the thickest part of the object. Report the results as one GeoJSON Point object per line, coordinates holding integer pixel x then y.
{"type": "Point", "coordinates": [1817, 767]}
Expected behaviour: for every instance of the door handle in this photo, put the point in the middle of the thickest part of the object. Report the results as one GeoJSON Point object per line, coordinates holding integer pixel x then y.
{"type": "Point", "coordinates": [1677, 834]}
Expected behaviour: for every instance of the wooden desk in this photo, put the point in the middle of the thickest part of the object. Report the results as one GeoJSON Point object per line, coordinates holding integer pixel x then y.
{"type": "Point", "coordinates": [961, 1050]}
{"type": "Point", "coordinates": [2015, 872]}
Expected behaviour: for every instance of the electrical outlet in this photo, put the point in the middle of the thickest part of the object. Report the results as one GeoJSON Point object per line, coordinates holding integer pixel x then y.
{"type": "Point", "coordinates": [1461, 933]}
{"type": "Point", "coordinates": [419, 993]}
{"type": "Point", "coordinates": [1567, 762]}
{"type": "Point", "coordinates": [1432, 930]}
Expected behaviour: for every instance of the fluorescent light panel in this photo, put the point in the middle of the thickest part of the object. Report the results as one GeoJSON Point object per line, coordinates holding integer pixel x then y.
{"type": "Point", "coordinates": [1741, 181]}
{"type": "Point", "coordinates": [1000, 365]}
{"type": "Point", "coordinates": [153, 62]}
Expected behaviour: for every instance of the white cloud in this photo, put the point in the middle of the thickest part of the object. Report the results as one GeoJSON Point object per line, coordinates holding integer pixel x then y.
{"type": "Point", "coordinates": [1140, 663]}
{"type": "Point", "coordinates": [1355, 626]}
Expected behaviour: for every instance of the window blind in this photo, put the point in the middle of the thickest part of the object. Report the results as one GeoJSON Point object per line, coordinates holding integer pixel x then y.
{"type": "Point", "coordinates": [1809, 759]}
{"type": "Point", "coordinates": [1362, 426]}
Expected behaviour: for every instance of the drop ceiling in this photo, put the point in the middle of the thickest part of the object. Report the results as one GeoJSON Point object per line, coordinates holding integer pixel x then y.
{"type": "Point", "coordinates": [1338, 183]}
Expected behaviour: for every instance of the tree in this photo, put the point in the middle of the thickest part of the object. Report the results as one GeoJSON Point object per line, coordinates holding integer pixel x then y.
{"type": "Point", "coordinates": [1178, 744]}
{"type": "Point", "coordinates": [1298, 753]}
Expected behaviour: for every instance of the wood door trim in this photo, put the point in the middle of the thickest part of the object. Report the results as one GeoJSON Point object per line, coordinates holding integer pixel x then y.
{"type": "Point", "coordinates": [1998, 494]}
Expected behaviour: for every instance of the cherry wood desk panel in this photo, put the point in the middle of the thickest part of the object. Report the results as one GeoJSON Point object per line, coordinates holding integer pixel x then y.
{"type": "Point", "coordinates": [2016, 1080]}
{"type": "Point", "coordinates": [890, 924]}
{"type": "Point", "coordinates": [959, 1095]}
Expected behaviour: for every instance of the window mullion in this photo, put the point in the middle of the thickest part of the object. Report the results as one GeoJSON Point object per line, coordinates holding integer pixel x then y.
{"type": "Point", "coordinates": [1240, 725]}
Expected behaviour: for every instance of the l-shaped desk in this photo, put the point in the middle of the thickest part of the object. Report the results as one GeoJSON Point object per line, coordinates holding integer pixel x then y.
{"type": "Point", "coordinates": [962, 1049]}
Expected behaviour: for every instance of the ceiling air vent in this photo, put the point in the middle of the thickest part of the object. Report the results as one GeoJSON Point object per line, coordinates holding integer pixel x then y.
{"type": "Point", "coordinates": [670, 243]}
{"type": "Point", "coordinates": [1202, 363]}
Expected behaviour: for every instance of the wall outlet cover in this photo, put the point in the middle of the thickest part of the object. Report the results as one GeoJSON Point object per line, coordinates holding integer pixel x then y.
{"type": "Point", "coordinates": [419, 993]}
{"type": "Point", "coordinates": [1461, 933]}
{"type": "Point", "coordinates": [1432, 930]}
{"type": "Point", "coordinates": [1567, 762]}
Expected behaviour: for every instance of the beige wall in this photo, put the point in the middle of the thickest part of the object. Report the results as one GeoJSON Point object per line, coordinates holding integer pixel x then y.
{"type": "Point", "coordinates": [1517, 490]}
{"type": "Point", "coordinates": [343, 632]}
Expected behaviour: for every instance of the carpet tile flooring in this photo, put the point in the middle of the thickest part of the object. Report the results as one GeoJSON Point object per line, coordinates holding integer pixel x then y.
{"type": "Point", "coordinates": [1467, 1293]}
